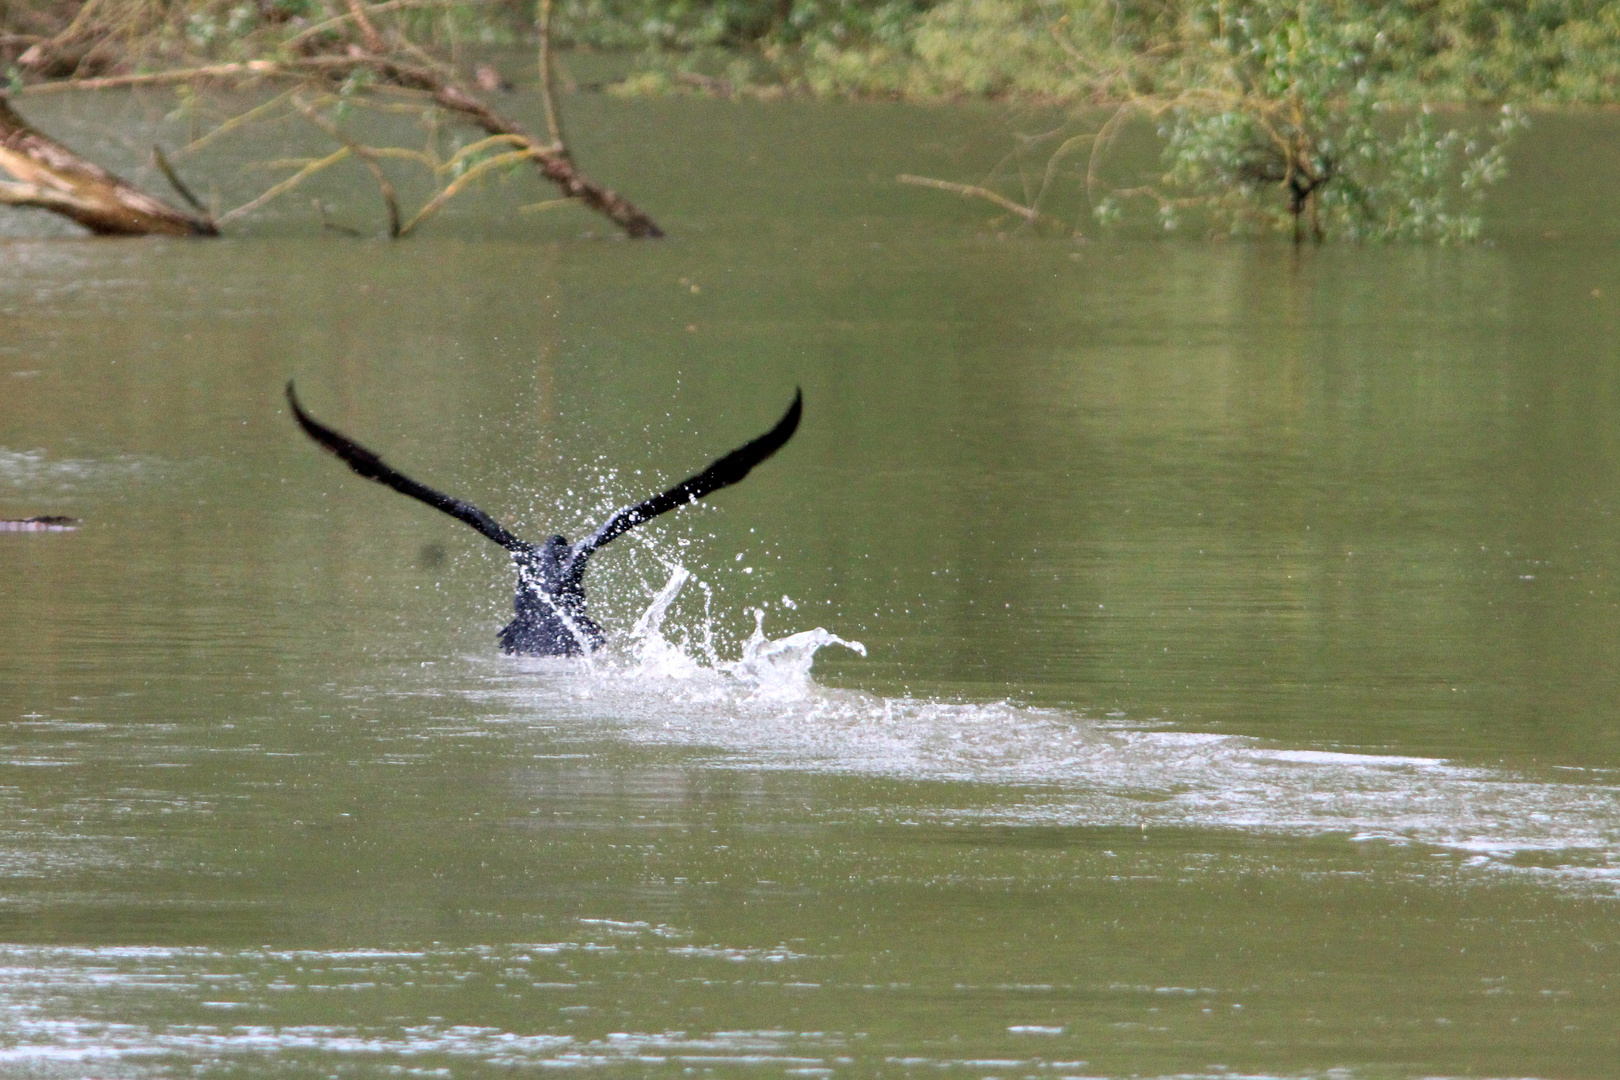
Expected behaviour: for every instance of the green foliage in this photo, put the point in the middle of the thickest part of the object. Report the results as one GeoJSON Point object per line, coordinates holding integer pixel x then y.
{"type": "Point", "coordinates": [686, 24]}
{"type": "Point", "coordinates": [1274, 116]}
{"type": "Point", "coordinates": [1542, 51]}
{"type": "Point", "coordinates": [1058, 49]}
{"type": "Point", "coordinates": [1526, 51]}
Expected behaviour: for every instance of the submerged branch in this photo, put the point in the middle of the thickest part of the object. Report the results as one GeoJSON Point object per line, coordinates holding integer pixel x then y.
{"type": "Point", "coordinates": [367, 155]}
{"type": "Point", "coordinates": [48, 175]}
{"type": "Point", "coordinates": [160, 159]}
{"type": "Point", "coordinates": [425, 77]}
{"type": "Point", "coordinates": [973, 191]}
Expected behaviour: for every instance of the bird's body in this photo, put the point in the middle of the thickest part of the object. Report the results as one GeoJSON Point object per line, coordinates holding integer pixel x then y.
{"type": "Point", "coordinates": [549, 604]}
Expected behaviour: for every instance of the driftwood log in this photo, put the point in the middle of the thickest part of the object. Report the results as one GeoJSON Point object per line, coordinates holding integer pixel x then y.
{"type": "Point", "coordinates": [422, 73]}
{"type": "Point", "coordinates": [346, 50]}
{"type": "Point", "coordinates": [46, 174]}
{"type": "Point", "coordinates": [43, 523]}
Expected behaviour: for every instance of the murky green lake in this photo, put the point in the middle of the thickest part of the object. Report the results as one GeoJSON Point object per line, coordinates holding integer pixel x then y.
{"type": "Point", "coordinates": [1242, 632]}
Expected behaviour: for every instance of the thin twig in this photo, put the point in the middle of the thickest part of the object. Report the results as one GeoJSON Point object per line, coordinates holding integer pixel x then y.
{"type": "Point", "coordinates": [973, 191]}
{"type": "Point", "coordinates": [1052, 163]}
{"type": "Point", "coordinates": [239, 120]}
{"type": "Point", "coordinates": [368, 32]}
{"type": "Point", "coordinates": [547, 81]}
{"type": "Point", "coordinates": [1103, 141]}
{"type": "Point", "coordinates": [78, 23]}
{"type": "Point", "coordinates": [548, 204]}
{"type": "Point", "coordinates": [338, 20]}
{"type": "Point", "coordinates": [479, 147]}
{"type": "Point", "coordinates": [175, 182]}
{"type": "Point", "coordinates": [286, 185]}
{"type": "Point", "coordinates": [459, 184]}
{"type": "Point", "coordinates": [366, 154]}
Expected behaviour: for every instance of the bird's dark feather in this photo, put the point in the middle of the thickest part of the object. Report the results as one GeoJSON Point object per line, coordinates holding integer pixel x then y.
{"type": "Point", "coordinates": [551, 618]}
{"type": "Point", "coordinates": [722, 473]}
{"type": "Point", "coordinates": [369, 465]}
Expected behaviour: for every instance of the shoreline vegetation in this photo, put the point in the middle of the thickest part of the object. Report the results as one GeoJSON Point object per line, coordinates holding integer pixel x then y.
{"type": "Point", "coordinates": [1314, 118]}
{"type": "Point", "coordinates": [1530, 53]}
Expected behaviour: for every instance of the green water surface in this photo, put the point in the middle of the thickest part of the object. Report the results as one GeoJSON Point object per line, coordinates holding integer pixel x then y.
{"type": "Point", "coordinates": [1242, 629]}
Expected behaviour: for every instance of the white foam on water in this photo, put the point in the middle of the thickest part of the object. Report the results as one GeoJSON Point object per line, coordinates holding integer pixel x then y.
{"type": "Point", "coordinates": [765, 711]}
{"type": "Point", "coordinates": [35, 471]}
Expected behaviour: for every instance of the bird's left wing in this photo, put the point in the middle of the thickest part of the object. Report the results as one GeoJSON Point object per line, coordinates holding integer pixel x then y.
{"type": "Point", "coordinates": [722, 473]}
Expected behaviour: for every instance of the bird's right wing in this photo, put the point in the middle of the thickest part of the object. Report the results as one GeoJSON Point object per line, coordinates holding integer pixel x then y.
{"type": "Point", "coordinates": [372, 467]}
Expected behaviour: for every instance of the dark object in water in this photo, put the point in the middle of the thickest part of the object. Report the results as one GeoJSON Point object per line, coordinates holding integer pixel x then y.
{"type": "Point", "coordinates": [43, 523]}
{"type": "Point", "coordinates": [550, 600]}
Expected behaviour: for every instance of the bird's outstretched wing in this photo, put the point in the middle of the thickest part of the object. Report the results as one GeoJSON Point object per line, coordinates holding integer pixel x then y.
{"type": "Point", "coordinates": [723, 473]}
{"type": "Point", "coordinates": [372, 467]}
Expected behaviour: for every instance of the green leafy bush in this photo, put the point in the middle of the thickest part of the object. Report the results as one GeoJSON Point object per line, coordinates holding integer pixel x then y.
{"type": "Point", "coordinates": [1274, 116]}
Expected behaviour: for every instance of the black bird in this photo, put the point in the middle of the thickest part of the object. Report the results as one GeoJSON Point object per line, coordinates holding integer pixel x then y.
{"type": "Point", "coordinates": [550, 600]}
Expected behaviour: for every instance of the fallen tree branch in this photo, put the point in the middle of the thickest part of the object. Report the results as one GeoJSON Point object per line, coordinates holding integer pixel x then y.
{"type": "Point", "coordinates": [367, 155]}
{"type": "Point", "coordinates": [455, 187]}
{"type": "Point", "coordinates": [366, 49]}
{"type": "Point", "coordinates": [552, 160]}
{"type": "Point", "coordinates": [288, 184]}
{"type": "Point", "coordinates": [973, 191]}
{"type": "Point", "coordinates": [48, 175]}
{"type": "Point", "coordinates": [234, 72]}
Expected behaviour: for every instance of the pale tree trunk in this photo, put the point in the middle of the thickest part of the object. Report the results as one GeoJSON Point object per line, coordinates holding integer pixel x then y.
{"type": "Point", "coordinates": [45, 174]}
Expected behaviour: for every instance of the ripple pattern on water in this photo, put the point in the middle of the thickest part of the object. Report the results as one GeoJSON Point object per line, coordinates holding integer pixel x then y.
{"type": "Point", "coordinates": [764, 711]}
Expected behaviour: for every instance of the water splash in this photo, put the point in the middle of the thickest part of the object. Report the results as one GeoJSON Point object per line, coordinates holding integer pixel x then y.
{"type": "Point", "coordinates": [780, 669]}
{"type": "Point", "coordinates": [764, 710]}
{"type": "Point", "coordinates": [772, 669]}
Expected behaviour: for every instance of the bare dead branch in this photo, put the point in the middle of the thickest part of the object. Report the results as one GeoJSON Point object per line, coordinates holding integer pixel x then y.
{"type": "Point", "coordinates": [547, 81]}
{"type": "Point", "coordinates": [459, 184]}
{"type": "Point", "coordinates": [973, 191]}
{"type": "Point", "coordinates": [235, 72]}
{"type": "Point", "coordinates": [367, 155]}
{"type": "Point", "coordinates": [368, 32]}
{"type": "Point", "coordinates": [47, 174]}
{"type": "Point", "coordinates": [179, 185]}
{"type": "Point", "coordinates": [286, 185]}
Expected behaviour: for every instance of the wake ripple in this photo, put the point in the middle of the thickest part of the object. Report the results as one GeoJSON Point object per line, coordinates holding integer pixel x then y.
{"type": "Point", "coordinates": [765, 711]}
